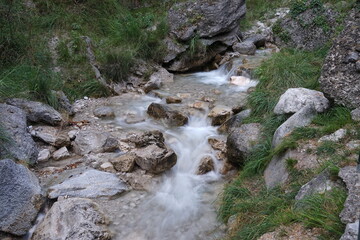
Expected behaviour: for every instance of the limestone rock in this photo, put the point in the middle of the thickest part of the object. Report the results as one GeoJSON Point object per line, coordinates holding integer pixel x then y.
{"type": "Point", "coordinates": [108, 167]}
{"type": "Point", "coordinates": [258, 40]}
{"type": "Point", "coordinates": [206, 165]}
{"type": "Point", "coordinates": [295, 99]}
{"type": "Point", "coordinates": [147, 138]}
{"type": "Point", "coordinates": [171, 117]}
{"type": "Point", "coordinates": [351, 211]}
{"type": "Point", "coordinates": [351, 231]}
{"type": "Point", "coordinates": [44, 155]}
{"type": "Point", "coordinates": [155, 159]}
{"type": "Point", "coordinates": [111, 144]}
{"type": "Point", "coordinates": [173, 99]}
{"type": "Point", "coordinates": [246, 47]}
{"type": "Point", "coordinates": [355, 114]}
{"type": "Point", "coordinates": [20, 146]}
{"type": "Point", "coordinates": [37, 112]}
{"type": "Point", "coordinates": [103, 112]}
{"type": "Point", "coordinates": [20, 198]}
{"type": "Point", "coordinates": [276, 172]}
{"type": "Point", "coordinates": [219, 114]}
{"type": "Point", "coordinates": [90, 184]}
{"type": "Point", "coordinates": [51, 135]}
{"type": "Point", "coordinates": [173, 49]}
{"type": "Point", "coordinates": [334, 137]}
{"type": "Point", "coordinates": [61, 153]}
{"type": "Point", "coordinates": [74, 218]}
{"type": "Point", "coordinates": [234, 122]}
{"type": "Point", "coordinates": [125, 162]}
{"type": "Point", "coordinates": [241, 141]}
{"type": "Point", "coordinates": [90, 142]}
{"type": "Point", "coordinates": [300, 119]}
{"type": "Point", "coordinates": [339, 78]}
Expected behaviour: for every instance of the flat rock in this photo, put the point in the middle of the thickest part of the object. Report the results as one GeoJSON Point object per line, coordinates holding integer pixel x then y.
{"type": "Point", "coordinates": [20, 198]}
{"type": "Point", "coordinates": [301, 118]}
{"type": "Point", "coordinates": [90, 184]}
{"type": "Point", "coordinates": [90, 142]}
{"type": "Point", "coordinates": [37, 112]}
{"type": "Point", "coordinates": [74, 218]}
{"type": "Point", "coordinates": [241, 141]}
{"type": "Point", "coordinates": [294, 99]}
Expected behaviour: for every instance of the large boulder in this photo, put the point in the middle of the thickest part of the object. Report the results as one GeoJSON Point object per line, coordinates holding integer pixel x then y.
{"type": "Point", "coordinates": [91, 142]}
{"type": "Point", "coordinates": [276, 172]}
{"type": "Point", "coordinates": [246, 47]}
{"type": "Point", "coordinates": [307, 27]}
{"type": "Point", "coordinates": [20, 198]}
{"type": "Point", "coordinates": [241, 141]}
{"type": "Point", "coordinates": [295, 99]}
{"type": "Point", "coordinates": [300, 119]}
{"type": "Point", "coordinates": [90, 184]}
{"type": "Point", "coordinates": [192, 24]}
{"type": "Point", "coordinates": [37, 111]}
{"type": "Point", "coordinates": [74, 218]}
{"type": "Point", "coordinates": [339, 78]}
{"type": "Point", "coordinates": [170, 116]}
{"type": "Point", "coordinates": [20, 145]}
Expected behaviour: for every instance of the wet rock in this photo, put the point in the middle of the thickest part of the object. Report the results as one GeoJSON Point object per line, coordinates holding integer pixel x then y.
{"type": "Point", "coordinates": [295, 99]}
{"type": "Point", "coordinates": [74, 218]}
{"type": "Point", "coordinates": [319, 184]}
{"type": "Point", "coordinates": [334, 137]}
{"type": "Point", "coordinates": [300, 119]}
{"type": "Point", "coordinates": [61, 153]}
{"type": "Point", "coordinates": [219, 114]}
{"type": "Point", "coordinates": [173, 99]}
{"type": "Point", "coordinates": [351, 211]}
{"type": "Point", "coordinates": [302, 32]}
{"type": "Point", "coordinates": [200, 105]}
{"type": "Point", "coordinates": [355, 114]}
{"type": "Point", "coordinates": [90, 142]}
{"type": "Point", "coordinates": [276, 172]}
{"type": "Point", "coordinates": [20, 198]}
{"type": "Point", "coordinates": [155, 159]}
{"type": "Point", "coordinates": [20, 146]}
{"type": "Point", "coordinates": [51, 135]}
{"type": "Point", "coordinates": [206, 165]}
{"type": "Point", "coordinates": [234, 122]}
{"type": "Point", "coordinates": [339, 79]}
{"type": "Point", "coordinates": [125, 162]}
{"type": "Point", "coordinates": [351, 231]}
{"type": "Point", "coordinates": [104, 112]}
{"type": "Point", "coordinates": [246, 47]}
{"type": "Point", "coordinates": [90, 184]}
{"type": "Point", "coordinates": [241, 141]}
{"type": "Point", "coordinates": [44, 155]}
{"type": "Point", "coordinates": [37, 112]}
{"type": "Point", "coordinates": [111, 144]}
{"type": "Point", "coordinates": [171, 117]}
{"type": "Point", "coordinates": [217, 144]}
{"type": "Point", "coordinates": [240, 81]}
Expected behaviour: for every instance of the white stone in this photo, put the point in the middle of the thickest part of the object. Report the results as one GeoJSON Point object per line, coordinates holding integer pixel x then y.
{"type": "Point", "coordinates": [334, 137]}
{"type": "Point", "coordinates": [61, 153]}
{"type": "Point", "coordinates": [44, 155]}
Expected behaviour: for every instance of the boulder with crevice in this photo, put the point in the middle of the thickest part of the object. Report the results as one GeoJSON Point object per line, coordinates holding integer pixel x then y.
{"type": "Point", "coordinates": [73, 218]}
{"type": "Point", "coordinates": [37, 112]}
{"type": "Point", "coordinates": [19, 144]}
{"type": "Point", "coordinates": [20, 198]}
{"type": "Point", "coordinates": [241, 141]}
{"type": "Point", "coordinates": [294, 99]}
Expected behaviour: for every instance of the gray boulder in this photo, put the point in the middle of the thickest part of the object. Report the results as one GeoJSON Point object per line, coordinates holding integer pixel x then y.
{"type": "Point", "coordinates": [355, 114]}
{"type": "Point", "coordinates": [170, 116]}
{"type": "Point", "coordinates": [246, 47]}
{"type": "Point", "coordinates": [92, 142]}
{"type": "Point", "coordinates": [90, 184]}
{"type": "Point", "coordinates": [51, 135]}
{"type": "Point", "coordinates": [74, 218]}
{"type": "Point", "coordinates": [351, 211]}
{"type": "Point", "coordinates": [351, 231]}
{"type": "Point", "coordinates": [104, 112]}
{"type": "Point", "coordinates": [300, 119]}
{"type": "Point", "coordinates": [20, 198]}
{"type": "Point", "coordinates": [308, 30]}
{"type": "Point", "coordinates": [64, 102]}
{"type": "Point", "coordinates": [155, 159]}
{"type": "Point", "coordinates": [241, 141]}
{"type": "Point", "coordinates": [37, 111]}
{"type": "Point", "coordinates": [276, 172]}
{"type": "Point", "coordinates": [339, 78]}
{"type": "Point", "coordinates": [258, 40]}
{"type": "Point", "coordinates": [295, 99]}
{"type": "Point", "coordinates": [20, 146]}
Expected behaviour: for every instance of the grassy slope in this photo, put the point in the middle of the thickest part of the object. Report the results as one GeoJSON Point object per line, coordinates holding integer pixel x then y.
{"type": "Point", "coordinates": [258, 210]}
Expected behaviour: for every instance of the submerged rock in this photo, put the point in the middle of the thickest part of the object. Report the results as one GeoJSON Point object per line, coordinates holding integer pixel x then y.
{"type": "Point", "coordinates": [90, 184]}
{"type": "Point", "coordinates": [206, 165]}
{"type": "Point", "coordinates": [20, 198]}
{"type": "Point", "coordinates": [241, 141]}
{"type": "Point", "coordinates": [20, 144]}
{"type": "Point", "coordinates": [37, 112]}
{"type": "Point", "coordinates": [74, 218]}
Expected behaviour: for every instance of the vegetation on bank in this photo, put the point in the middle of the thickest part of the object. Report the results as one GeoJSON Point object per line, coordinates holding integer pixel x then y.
{"type": "Point", "coordinates": [121, 33]}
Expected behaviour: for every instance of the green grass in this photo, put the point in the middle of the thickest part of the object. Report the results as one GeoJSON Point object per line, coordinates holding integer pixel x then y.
{"type": "Point", "coordinates": [333, 119]}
